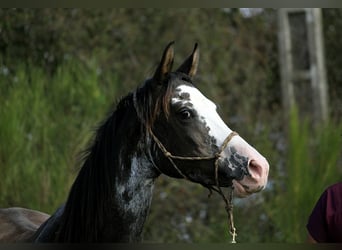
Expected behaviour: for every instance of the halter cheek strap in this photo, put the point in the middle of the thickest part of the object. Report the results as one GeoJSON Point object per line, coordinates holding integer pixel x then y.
{"type": "Point", "coordinates": [170, 156]}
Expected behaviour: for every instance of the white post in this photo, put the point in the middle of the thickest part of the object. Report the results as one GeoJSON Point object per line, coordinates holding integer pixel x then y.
{"type": "Point", "coordinates": [302, 61]}
{"type": "Point", "coordinates": [318, 73]}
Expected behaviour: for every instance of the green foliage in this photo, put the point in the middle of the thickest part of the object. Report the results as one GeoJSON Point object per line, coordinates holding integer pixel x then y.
{"type": "Point", "coordinates": [45, 121]}
{"type": "Point", "coordinates": [128, 42]}
{"type": "Point", "coordinates": [312, 164]}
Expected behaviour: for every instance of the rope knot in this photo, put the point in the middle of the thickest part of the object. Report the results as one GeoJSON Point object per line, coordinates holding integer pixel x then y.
{"type": "Point", "coordinates": [218, 155]}
{"type": "Point", "coordinates": [167, 154]}
{"type": "Point", "coordinates": [229, 207]}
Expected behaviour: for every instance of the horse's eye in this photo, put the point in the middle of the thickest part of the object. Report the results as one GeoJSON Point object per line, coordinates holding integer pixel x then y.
{"type": "Point", "coordinates": [185, 114]}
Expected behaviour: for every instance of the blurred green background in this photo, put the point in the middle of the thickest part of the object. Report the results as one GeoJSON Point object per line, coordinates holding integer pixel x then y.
{"type": "Point", "coordinates": [62, 70]}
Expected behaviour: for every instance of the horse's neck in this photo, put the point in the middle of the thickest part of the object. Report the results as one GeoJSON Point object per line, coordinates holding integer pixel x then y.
{"type": "Point", "coordinates": [126, 212]}
{"type": "Point", "coordinates": [132, 200]}
{"type": "Point", "coordinates": [134, 182]}
{"type": "Point", "coordinates": [111, 196]}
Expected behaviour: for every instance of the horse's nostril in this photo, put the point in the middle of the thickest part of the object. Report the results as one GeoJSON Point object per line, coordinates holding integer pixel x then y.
{"type": "Point", "coordinates": [254, 169]}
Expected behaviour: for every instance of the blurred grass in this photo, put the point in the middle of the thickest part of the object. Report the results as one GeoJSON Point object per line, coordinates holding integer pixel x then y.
{"type": "Point", "coordinates": [313, 162]}
{"type": "Point", "coordinates": [46, 120]}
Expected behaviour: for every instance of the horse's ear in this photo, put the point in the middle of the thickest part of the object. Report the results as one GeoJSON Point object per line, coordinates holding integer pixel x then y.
{"type": "Point", "coordinates": [165, 64]}
{"type": "Point", "coordinates": [190, 65]}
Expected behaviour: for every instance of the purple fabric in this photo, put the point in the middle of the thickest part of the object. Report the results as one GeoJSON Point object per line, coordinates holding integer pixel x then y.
{"type": "Point", "coordinates": [325, 221]}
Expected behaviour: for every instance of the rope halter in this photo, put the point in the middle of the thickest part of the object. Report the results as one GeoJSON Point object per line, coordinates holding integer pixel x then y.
{"type": "Point", "coordinates": [216, 156]}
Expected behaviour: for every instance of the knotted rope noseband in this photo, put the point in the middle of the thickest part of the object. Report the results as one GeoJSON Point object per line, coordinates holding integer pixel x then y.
{"type": "Point", "coordinates": [216, 156]}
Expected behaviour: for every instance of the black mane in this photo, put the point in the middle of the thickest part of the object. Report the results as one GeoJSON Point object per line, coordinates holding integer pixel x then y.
{"type": "Point", "coordinates": [91, 193]}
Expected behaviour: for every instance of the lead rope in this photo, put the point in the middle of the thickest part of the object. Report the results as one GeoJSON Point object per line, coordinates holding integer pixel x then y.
{"type": "Point", "coordinates": [228, 202]}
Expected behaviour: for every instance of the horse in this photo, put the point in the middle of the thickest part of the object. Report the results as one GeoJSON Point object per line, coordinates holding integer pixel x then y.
{"type": "Point", "coordinates": [165, 126]}
{"type": "Point", "coordinates": [19, 224]}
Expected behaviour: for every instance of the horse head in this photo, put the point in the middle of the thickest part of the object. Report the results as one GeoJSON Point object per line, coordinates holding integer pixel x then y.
{"type": "Point", "coordinates": [189, 138]}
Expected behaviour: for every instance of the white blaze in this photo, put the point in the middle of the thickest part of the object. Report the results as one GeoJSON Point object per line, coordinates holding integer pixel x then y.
{"type": "Point", "coordinates": [206, 111]}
